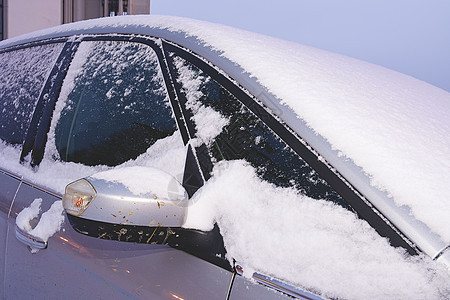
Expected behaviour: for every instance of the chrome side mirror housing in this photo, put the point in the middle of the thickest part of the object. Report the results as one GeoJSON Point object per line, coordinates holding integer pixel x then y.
{"type": "Point", "coordinates": [135, 204]}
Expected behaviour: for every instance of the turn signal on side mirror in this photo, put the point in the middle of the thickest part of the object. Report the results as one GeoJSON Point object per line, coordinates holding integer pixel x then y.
{"type": "Point", "coordinates": [79, 194]}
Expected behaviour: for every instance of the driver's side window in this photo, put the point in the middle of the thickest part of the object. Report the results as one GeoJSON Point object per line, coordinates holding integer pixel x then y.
{"type": "Point", "coordinates": [113, 105]}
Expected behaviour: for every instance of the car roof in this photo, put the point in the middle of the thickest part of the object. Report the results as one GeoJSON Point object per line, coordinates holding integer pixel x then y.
{"type": "Point", "coordinates": [387, 133]}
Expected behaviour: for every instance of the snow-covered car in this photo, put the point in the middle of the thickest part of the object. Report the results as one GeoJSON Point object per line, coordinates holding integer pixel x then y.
{"type": "Point", "coordinates": [161, 157]}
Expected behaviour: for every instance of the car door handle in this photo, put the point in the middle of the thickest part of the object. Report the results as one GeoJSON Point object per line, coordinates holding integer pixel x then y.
{"type": "Point", "coordinates": [34, 242]}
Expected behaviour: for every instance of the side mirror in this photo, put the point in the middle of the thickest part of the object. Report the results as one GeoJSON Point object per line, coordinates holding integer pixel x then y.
{"type": "Point", "coordinates": [135, 204]}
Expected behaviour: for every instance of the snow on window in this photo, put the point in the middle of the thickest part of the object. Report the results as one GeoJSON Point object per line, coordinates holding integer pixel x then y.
{"type": "Point", "coordinates": [23, 75]}
{"type": "Point", "coordinates": [167, 154]}
{"type": "Point", "coordinates": [309, 243]}
{"type": "Point", "coordinates": [113, 105]}
{"type": "Point", "coordinates": [208, 122]}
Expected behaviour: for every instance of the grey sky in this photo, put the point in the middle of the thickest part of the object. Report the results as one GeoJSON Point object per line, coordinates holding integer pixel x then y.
{"type": "Point", "coordinates": [410, 36]}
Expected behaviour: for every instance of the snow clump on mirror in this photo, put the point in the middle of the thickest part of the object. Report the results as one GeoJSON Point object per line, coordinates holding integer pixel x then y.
{"type": "Point", "coordinates": [309, 243]}
{"type": "Point", "coordinates": [145, 181]}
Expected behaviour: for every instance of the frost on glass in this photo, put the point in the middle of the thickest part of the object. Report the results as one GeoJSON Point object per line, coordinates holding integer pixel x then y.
{"type": "Point", "coordinates": [113, 105]}
{"type": "Point", "coordinates": [23, 74]}
{"type": "Point", "coordinates": [208, 122]}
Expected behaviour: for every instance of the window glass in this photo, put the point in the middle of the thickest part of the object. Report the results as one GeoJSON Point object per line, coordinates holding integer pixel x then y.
{"type": "Point", "coordinates": [245, 136]}
{"type": "Point", "coordinates": [23, 75]}
{"type": "Point", "coordinates": [114, 104]}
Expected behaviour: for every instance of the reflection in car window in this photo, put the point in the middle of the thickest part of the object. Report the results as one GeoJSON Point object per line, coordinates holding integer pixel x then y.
{"type": "Point", "coordinates": [247, 137]}
{"type": "Point", "coordinates": [23, 75]}
{"type": "Point", "coordinates": [116, 106]}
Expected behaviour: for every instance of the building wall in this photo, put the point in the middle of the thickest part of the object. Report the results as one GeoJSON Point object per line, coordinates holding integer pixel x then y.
{"type": "Point", "coordinates": [93, 9]}
{"type": "Point", "coordinates": [138, 7]}
{"type": "Point", "coordinates": [29, 15]}
{"type": "Point", "coordinates": [22, 16]}
{"type": "Point", "coordinates": [1, 19]}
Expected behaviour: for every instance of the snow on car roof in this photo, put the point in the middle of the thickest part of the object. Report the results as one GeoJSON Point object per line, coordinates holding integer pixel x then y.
{"type": "Point", "coordinates": [392, 126]}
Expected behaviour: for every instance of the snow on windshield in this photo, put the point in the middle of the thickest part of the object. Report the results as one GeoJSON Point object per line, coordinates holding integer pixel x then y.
{"type": "Point", "coordinates": [310, 243]}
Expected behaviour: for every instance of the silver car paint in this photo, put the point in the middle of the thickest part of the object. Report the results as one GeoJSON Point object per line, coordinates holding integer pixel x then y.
{"type": "Point", "coordinates": [114, 202]}
{"type": "Point", "coordinates": [8, 187]}
{"type": "Point", "coordinates": [75, 265]}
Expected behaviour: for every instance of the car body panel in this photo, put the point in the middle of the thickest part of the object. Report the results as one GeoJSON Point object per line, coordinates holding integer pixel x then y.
{"type": "Point", "coordinates": [247, 289]}
{"type": "Point", "coordinates": [75, 265]}
{"type": "Point", "coordinates": [8, 188]}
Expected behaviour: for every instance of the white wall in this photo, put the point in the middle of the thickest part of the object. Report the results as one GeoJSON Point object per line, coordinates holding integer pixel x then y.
{"type": "Point", "coordinates": [29, 15]}
{"type": "Point", "coordinates": [137, 7]}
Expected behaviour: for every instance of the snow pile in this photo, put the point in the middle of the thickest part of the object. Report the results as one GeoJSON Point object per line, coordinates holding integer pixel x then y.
{"type": "Point", "coordinates": [310, 243]}
{"type": "Point", "coordinates": [167, 154]}
{"type": "Point", "coordinates": [50, 222]}
{"type": "Point", "coordinates": [145, 181]}
{"type": "Point", "coordinates": [27, 214]}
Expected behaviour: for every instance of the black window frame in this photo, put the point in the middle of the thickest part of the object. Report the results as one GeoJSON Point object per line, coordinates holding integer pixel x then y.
{"type": "Point", "coordinates": [361, 206]}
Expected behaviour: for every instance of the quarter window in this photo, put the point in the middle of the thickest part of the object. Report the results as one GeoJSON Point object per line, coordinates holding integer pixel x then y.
{"type": "Point", "coordinates": [23, 75]}
{"type": "Point", "coordinates": [114, 104]}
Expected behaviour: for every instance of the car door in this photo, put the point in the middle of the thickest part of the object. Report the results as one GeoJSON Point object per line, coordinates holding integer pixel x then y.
{"type": "Point", "coordinates": [114, 110]}
{"type": "Point", "coordinates": [8, 187]}
{"type": "Point", "coordinates": [24, 71]}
